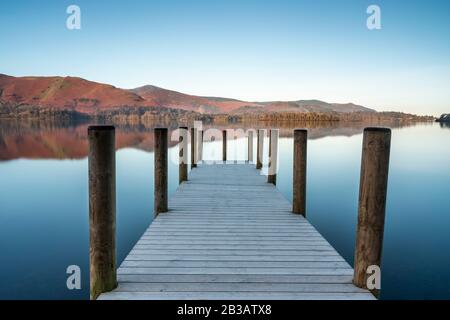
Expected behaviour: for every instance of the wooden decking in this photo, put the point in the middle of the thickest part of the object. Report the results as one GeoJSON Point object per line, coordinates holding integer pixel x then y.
{"type": "Point", "coordinates": [231, 235]}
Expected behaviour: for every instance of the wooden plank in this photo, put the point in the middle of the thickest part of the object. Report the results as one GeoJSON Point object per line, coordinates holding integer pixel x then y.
{"type": "Point", "coordinates": [236, 252]}
{"type": "Point", "coordinates": [283, 247]}
{"type": "Point", "coordinates": [233, 264]}
{"type": "Point", "coordinates": [238, 287]}
{"type": "Point", "coordinates": [234, 278]}
{"type": "Point", "coordinates": [241, 238]}
{"type": "Point", "coordinates": [230, 241]}
{"type": "Point", "coordinates": [230, 233]}
{"type": "Point", "coordinates": [234, 296]}
{"type": "Point", "coordinates": [182, 270]}
{"type": "Point", "coordinates": [229, 258]}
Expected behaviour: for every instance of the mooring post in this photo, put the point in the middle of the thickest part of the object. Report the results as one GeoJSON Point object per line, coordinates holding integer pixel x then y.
{"type": "Point", "coordinates": [372, 205]}
{"type": "Point", "coordinates": [250, 146]}
{"type": "Point", "coordinates": [193, 148]}
{"type": "Point", "coordinates": [160, 171]}
{"type": "Point", "coordinates": [259, 148]}
{"type": "Point", "coordinates": [183, 154]}
{"type": "Point", "coordinates": [102, 209]}
{"type": "Point", "coordinates": [270, 142]}
{"type": "Point", "coordinates": [200, 145]}
{"type": "Point", "coordinates": [299, 179]}
{"type": "Point", "coordinates": [273, 156]}
{"type": "Point", "coordinates": [224, 145]}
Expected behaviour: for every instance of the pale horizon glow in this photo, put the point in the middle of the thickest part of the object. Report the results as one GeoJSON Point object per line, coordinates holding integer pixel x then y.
{"type": "Point", "coordinates": [246, 50]}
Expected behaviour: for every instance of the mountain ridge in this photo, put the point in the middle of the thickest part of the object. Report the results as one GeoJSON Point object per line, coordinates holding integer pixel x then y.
{"type": "Point", "coordinates": [89, 97]}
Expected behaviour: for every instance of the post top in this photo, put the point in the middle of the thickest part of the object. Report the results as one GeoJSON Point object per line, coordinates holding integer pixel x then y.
{"type": "Point", "coordinates": [377, 129]}
{"type": "Point", "coordinates": [301, 130]}
{"type": "Point", "coordinates": [160, 129]}
{"type": "Point", "coordinates": [185, 128]}
{"type": "Point", "coordinates": [101, 128]}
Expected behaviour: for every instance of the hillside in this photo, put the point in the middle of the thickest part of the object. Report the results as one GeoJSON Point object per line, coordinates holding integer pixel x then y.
{"type": "Point", "coordinates": [28, 95]}
{"type": "Point", "coordinates": [64, 93]}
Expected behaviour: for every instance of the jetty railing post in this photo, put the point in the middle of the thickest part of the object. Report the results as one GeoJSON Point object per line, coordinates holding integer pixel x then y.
{"type": "Point", "coordinates": [270, 142]}
{"type": "Point", "coordinates": [102, 209]}
{"type": "Point", "coordinates": [372, 204]}
{"type": "Point", "coordinates": [224, 145]}
{"type": "Point", "coordinates": [193, 148]}
{"type": "Point", "coordinates": [250, 146]}
{"type": "Point", "coordinates": [273, 156]}
{"type": "Point", "coordinates": [200, 146]}
{"type": "Point", "coordinates": [299, 172]}
{"type": "Point", "coordinates": [183, 154]}
{"type": "Point", "coordinates": [160, 171]}
{"type": "Point", "coordinates": [259, 148]}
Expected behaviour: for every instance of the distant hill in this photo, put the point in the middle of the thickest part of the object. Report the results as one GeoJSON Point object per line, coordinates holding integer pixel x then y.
{"type": "Point", "coordinates": [64, 93]}
{"type": "Point", "coordinates": [73, 94]}
{"type": "Point", "coordinates": [177, 100]}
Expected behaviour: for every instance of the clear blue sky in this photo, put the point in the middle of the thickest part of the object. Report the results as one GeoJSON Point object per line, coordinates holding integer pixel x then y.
{"type": "Point", "coordinates": [252, 50]}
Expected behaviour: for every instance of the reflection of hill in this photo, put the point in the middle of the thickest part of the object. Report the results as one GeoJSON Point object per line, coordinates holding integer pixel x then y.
{"type": "Point", "coordinates": [46, 140]}
{"type": "Point", "coordinates": [317, 129]}
{"type": "Point", "coordinates": [38, 140]}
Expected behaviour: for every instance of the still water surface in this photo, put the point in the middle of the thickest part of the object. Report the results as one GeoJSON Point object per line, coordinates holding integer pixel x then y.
{"type": "Point", "coordinates": [44, 208]}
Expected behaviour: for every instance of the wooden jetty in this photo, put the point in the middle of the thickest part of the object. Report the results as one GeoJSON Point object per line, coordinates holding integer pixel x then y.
{"type": "Point", "coordinates": [229, 234]}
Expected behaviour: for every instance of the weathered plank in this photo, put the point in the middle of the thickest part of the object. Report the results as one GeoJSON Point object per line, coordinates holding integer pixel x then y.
{"type": "Point", "coordinates": [229, 234]}
{"type": "Point", "coordinates": [239, 295]}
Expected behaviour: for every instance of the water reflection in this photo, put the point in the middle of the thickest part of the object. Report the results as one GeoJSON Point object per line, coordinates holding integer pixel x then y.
{"type": "Point", "coordinates": [44, 211]}
{"type": "Point", "coordinates": [444, 125]}
{"type": "Point", "coordinates": [68, 140]}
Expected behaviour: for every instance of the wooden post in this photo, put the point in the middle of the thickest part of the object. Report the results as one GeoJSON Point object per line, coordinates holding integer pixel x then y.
{"type": "Point", "coordinates": [273, 156]}
{"type": "Point", "coordinates": [183, 154]}
{"type": "Point", "coordinates": [224, 145]}
{"type": "Point", "coordinates": [193, 148]}
{"type": "Point", "coordinates": [160, 191]}
{"type": "Point", "coordinates": [372, 204]}
{"type": "Point", "coordinates": [250, 146]}
{"type": "Point", "coordinates": [259, 148]}
{"type": "Point", "coordinates": [102, 209]}
{"type": "Point", "coordinates": [200, 146]}
{"type": "Point", "coordinates": [299, 179]}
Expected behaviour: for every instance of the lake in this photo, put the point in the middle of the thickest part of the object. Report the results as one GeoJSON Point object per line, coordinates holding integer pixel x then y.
{"type": "Point", "coordinates": [44, 200]}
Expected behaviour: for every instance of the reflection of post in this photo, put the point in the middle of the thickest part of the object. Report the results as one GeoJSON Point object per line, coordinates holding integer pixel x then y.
{"type": "Point", "coordinates": [273, 156]}
{"type": "Point", "coordinates": [299, 179]}
{"type": "Point", "coordinates": [193, 148]}
{"type": "Point", "coordinates": [259, 148]}
{"type": "Point", "coordinates": [102, 209]}
{"type": "Point", "coordinates": [250, 146]}
{"type": "Point", "coordinates": [224, 145]}
{"type": "Point", "coordinates": [183, 154]}
{"type": "Point", "coordinates": [160, 171]}
{"type": "Point", "coordinates": [236, 157]}
{"type": "Point", "coordinates": [372, 203]}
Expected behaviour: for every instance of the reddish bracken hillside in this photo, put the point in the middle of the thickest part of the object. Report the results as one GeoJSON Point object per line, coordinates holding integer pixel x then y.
{"type": "Point", "coordinates": [177, 100]}
{"type": "Point", "coordinates": [87, 97]}
{"type": "Point", "coordinates": [65, 93]}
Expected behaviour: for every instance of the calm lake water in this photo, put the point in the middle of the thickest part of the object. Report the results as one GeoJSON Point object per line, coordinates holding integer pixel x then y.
{"type": "Point", "coordinates": [44, 201]}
